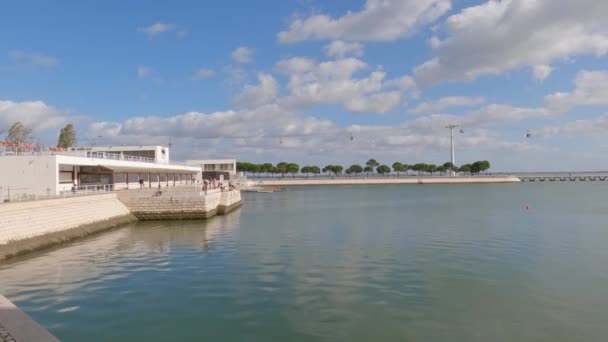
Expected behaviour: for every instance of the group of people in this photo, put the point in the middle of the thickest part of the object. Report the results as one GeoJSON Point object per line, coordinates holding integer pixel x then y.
{"type": "Point", "coordinates": [213, 183]}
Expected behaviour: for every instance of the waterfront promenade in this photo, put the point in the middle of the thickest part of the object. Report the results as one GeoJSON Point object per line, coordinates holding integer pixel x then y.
{"type": "Point", "coordinates": [31, 225]}
{"type": "Point", "coordinates": [17, 326]}
{"type": "Point", "coordinates": [405, 180]}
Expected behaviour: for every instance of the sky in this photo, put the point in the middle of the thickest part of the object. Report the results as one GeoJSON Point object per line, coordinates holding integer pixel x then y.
{"type": "Point", "coordinates": [316, 82]}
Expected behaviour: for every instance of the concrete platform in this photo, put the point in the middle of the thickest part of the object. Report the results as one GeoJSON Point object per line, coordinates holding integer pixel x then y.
{"type": "Point", "coordinates": [17, 326]}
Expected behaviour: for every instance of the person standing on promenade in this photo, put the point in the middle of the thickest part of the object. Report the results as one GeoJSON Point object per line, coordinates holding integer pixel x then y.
{"type": "Point", "coordinates": [141, 183]}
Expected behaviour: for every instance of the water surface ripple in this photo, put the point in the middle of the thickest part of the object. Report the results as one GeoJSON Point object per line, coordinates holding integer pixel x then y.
{"type": "Point", "coordinates": [377, 263]}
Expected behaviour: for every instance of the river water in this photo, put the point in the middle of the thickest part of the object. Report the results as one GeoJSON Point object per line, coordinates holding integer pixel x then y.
{"type": "Point", "coordinates": [361, 263]}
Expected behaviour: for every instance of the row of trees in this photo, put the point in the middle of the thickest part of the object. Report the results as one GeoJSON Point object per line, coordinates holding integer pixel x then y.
{"type": "Point", "coordinates": [19, 134]}
{"type": "Point", "coordinates": [371, 166]}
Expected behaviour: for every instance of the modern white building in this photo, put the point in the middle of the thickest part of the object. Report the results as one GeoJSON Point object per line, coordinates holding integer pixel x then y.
{"type": "Point", "coordinates": [215, 168]}
{"type": "Point", "coordinates": [54, 171]}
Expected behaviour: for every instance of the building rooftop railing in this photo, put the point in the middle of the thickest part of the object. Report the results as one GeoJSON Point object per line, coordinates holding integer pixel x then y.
{"type": "Point", "coordinates": [77, 153]}
{"type": "Point", "coordinates": [15, 194]}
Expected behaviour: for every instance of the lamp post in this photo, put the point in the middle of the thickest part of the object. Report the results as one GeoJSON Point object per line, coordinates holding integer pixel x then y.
{"type": "Point", "coordinates": [452, 156]}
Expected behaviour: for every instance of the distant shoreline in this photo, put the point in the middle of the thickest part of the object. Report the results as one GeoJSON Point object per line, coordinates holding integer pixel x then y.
{"type": "Point", "coordinates": [379, 181]}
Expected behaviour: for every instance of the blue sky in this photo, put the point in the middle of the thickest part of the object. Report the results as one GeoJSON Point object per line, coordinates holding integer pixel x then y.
{"type": "Point", "coordinates": [293, 80]}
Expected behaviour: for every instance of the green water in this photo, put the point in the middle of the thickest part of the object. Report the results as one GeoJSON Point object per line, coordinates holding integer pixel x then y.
{"type": "Point", "coordinates": [377, 263]}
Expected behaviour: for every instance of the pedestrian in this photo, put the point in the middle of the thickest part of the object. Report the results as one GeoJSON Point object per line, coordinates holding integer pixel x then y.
{"type": "Point", "coordinates": [141, 183]}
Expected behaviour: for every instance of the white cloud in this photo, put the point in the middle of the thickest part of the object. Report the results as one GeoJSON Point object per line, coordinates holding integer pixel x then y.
{"type": "Point", "coordinates": [374, 103]}
{"type": "Point", "coordinates": [334, 82]}
{"type": "Point", "coordinates": [156, 29]}
{"type": "Point", "coordinates": [541, 72]}
{"type": "Point", "coordinates": [596, 127]}
{"type": "Point", "coordinates": [341, 49]}
{"type": "Point", "coordinates": [35, 115]}
{"type": "Point", "coordinates": [242, 55]}
{"type": "Point", "coordinates": [495, 114]}
{"type": "Point", "coordinates": [379, 20]}
{"type": "Point", "coordinates": [406, 83]}
{"type": "Point", "coordinates": [446, 102]}
{"type": "Point", "coordinates": [202, 73]}
{"type": "Point", "coordinates": [498, 36]}
{"type": "Point", "coordinates": [269, 120]}
{"type": "Point", "coordinates": [295, 65]}
{"type": "Point", "coordinates": [143, 71]}
{"type": "Point", "coordinates": [591, 89]}
{"type": "Point", "coordinates": [256, 95]}
{"type": "Point", "coordinates": [34, 58]}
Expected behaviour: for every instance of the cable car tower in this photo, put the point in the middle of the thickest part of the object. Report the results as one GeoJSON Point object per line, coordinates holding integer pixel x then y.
{"type": "Point", "coordinates": [452, 156]}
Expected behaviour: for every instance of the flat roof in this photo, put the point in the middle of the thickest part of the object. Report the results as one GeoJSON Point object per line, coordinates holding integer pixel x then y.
{"type": "Point", "coordinates": [210, 161]}
{"type": "Point", "coordinates": [121, 147]}
{"type": "Point", "coordinates": [124, 165]}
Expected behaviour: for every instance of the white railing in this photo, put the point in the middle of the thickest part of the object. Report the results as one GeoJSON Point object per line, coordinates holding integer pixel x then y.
{"type": "Point", "coordinates": [119, 156]}
{"type": "Point", "coordinates": [14, 194]}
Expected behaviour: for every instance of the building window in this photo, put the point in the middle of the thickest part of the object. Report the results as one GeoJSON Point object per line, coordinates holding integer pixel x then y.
{"type": "Point", "coordinates": [120, 178]}
{"type": "Point", "coordinates": [66, 177]}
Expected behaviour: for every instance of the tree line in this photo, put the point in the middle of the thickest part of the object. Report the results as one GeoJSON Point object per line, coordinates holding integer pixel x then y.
{"type": "Point", "coordinates": [19, 134]}
{"type": "Point", "coordinates": [371, 166]}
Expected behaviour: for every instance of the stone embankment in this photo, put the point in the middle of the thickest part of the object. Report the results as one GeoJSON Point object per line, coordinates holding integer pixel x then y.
{"type": "Point", "coordinates": [17, 326]}
{"type": "Point", "coordinates": [376, 180]}
{"type": "Point", "coordinates": [179, 203]}
{"type": "Point", "coordinates": [28, 226]}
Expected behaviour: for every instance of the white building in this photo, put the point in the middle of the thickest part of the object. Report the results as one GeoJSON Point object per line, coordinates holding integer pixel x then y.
{"type": "Point", "coordinates": [215, 168]}
{"type": "Point", "coordinates": [117, 167]}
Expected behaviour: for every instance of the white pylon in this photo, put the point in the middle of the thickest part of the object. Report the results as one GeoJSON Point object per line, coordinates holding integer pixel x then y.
{"type": "Point", "coordinates": [452, 154]}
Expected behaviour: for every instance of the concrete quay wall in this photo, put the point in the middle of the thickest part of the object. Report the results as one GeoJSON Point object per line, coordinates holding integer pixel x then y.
{"type": "Point", "coordinates": [148, 204]}
{"type": "Point", "coordinates": [391, 180]}
{"type": "Point", "coordinates": [16, 325]}
{"type": "Point", "coordinates": [27, 226]}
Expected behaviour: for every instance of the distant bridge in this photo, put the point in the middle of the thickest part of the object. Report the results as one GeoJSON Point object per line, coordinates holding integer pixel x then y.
{"type": "Point", "coordinates": [601, 176]}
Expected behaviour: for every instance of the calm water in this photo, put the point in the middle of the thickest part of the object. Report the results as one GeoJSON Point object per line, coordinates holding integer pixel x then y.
{"type": "Point", "coordinates": [382, 263]}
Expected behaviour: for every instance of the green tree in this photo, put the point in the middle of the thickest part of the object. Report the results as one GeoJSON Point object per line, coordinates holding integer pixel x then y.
{"type": "Point", "coordinates": [293, 168]}
{"type": "Point", "coordinates": [306, 170]}
{"type": "Point", "coordinates": [67, 137]}
{"type": "Point", "coordinates": [450, 166]}
{"type": "Point", "coordinates": [19, 134]}
{"type": "Point", "coordinates": [368, 169]}
{"type": "Point", "coordinates": [398, 167]}
{"type": "Point", "coordinates": [476, 167]}
{"type": "Point", "coordinates": [383, 169]}
{"type": "Point", "coordinates": [356, 169]}
{"type": "Point", "coordinates": [315, 170]}
{"type": "Point", "coordinates": [420, 168]}
{"type": "Point", "coordinates": [485, 165]}
{"type": "Point", "coordinates": [431, 168]}
{"type": "Point", "coordinates": [441, 169]}
{"type": "Point", "coordinates": [372, 163]}
{"type": "Point", "coordinates": [336, 169]}
{"type": "Point", "coordinates": [255, 168]}
{"type": "Point", "coordinates": [283, 168]}
{"type": "Point", "coordinates": [466, 168]}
